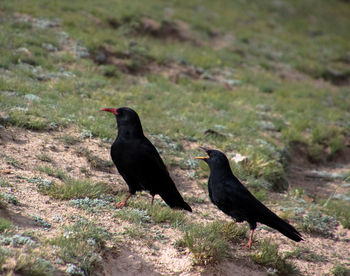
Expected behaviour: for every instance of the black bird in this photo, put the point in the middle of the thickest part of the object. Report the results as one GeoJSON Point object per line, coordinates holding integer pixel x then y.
{"type": "Point", "coordinates": [139, 163]}
{"type": "Point", "coordinates": [231, 197]}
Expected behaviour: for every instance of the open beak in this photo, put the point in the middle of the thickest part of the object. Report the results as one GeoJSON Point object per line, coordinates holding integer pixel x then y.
{"type": "Point", "coordinates": [203, 157]}
{"type": "Point", "coordinates": [113, 110]}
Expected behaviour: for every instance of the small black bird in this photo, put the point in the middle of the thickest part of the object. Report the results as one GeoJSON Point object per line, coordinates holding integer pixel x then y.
{"type": "Point", "coordinates": [139, 163]}
{"type": "Point", "coordinates": [231, 197]}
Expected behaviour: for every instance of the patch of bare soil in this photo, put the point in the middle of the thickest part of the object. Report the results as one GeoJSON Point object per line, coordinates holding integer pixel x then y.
{"type": "Point", "coordinates": [21, 153]}
{"type": "Point", "coordinates": [230, 268]}
{"type": "Point", "coordinates": [165, 29]}
{"type": "Point", "coordinates": [127, 263]}
{"type": "Point", "coordinates": [318, 180]}
{"type": "Point", "coordinates": [139, 64]}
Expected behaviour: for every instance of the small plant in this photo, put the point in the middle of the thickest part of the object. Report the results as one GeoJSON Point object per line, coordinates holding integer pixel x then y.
{"type": "Point", "coordinates": [3, 201]}
{"type": "Point", "coordinates": [161, 213]}
{"type": "Point", "coordinates": [341, 210]}
{"type": "Point", "coordinates": [303, 253]}
{"type": "Point", "coordinates": [5, 224]}
{"type": "Point", "coordinates": [4, 183]}
{"type": "Point", "coordinates": [133, 215]}
{"type": "Point", "coordinates": [72, 188]}
{"type": "Point", "coordinates": [209, 243]}
{"type": "Point", "coordinates": [39, 221]}
{"type": "Point", "coordinates": [32, 265]}
{"type": "Point", "coordinates": [340, 270]}
{"type": "Point", "coordinates": [54, 172]}
{"type": "Point", "coordinates": [96, 162]}
{"type": "Point", "coordinates": [316, 223]}
{"type": "Point", "coordinates": [90, 204]}
{"type": "Point", "coordinates": [69, 140]}
{"type": "Point", "coordinates": [13, 162]}
{"type": "Point", "coordinates": [44, 157]}
{"type": "Point", "coordinates": [81, 244]}
{"type": "Point", "coordinates": [135, 232]}
{"type": "Point", "coordinates": [194, 199]}
{"type": "Point", "coordinates": [206, 242]}
{"type": "Point", "coordinates": [4, 254]}
{"type": "Point", "coordinates": [10, 198]}
{"type": "Point", "coordinates": [268, 256]}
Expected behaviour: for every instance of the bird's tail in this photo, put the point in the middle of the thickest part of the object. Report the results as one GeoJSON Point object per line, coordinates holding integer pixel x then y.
{"type": "Point", "coordinates": [282, 226]}
{"type": "Point", "coordinates": [174, 199]}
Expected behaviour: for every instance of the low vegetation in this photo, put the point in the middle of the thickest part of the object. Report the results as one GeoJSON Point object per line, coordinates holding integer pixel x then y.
{"type": "Point", "coordinates": [255, 78]}
{"type": "Point", "coordinates": [269, 256]}
{"type": "Point", "coordinates": [341, 210]}
{"type": "Point", "coordinates": [211, 242]}
{"type": "Point", "coordinates": [69, 188]}
{"type": "Point", "coordinates": [80, 244]}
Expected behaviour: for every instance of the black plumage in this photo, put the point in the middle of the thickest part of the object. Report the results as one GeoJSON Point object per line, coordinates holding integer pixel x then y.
{"type": "Point", "coordinates": [234, 199]}
{"type": "Point", "coordinates": [139, 163]}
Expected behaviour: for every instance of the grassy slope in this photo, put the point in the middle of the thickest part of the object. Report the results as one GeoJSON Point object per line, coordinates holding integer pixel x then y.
{"type": "Point", "coordinates": [269, 65]}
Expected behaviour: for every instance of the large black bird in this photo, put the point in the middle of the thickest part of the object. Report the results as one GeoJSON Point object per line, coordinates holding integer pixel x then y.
{"type": "Point", "coordinates": [231, 197]}
{"type": "Point", "coordinates": [139, 163]}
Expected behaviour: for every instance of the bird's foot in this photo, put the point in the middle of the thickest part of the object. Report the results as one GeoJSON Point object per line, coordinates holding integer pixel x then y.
{"type": "Point", "coordinates": [248, 245]}
{"type": "Point", "coordinates": [120, 205]}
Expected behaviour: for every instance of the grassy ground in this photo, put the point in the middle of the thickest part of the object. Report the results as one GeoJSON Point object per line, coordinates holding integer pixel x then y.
{"type": "Point", "coordinates": [250, 77]}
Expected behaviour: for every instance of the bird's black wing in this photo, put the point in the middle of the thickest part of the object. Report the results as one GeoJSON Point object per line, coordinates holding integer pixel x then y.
{"type": "Point", "coordinates": [145, 164]}
{"type": "Point", "coordinates": [237, 201]}
{"type": "Point", "coordinates": [119, 156]}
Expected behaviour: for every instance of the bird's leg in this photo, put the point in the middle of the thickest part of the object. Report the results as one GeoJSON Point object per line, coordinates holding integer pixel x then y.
{"type": "Point", "coordinates": [123, 203]}
{"type": "Point", "coordinates": [152, 200]}
{"type": "Point", "coordinates": [249, 243]}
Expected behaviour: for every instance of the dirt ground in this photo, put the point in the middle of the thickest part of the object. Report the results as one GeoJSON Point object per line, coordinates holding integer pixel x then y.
{"type": "Point", "coordinates": [135, 257]}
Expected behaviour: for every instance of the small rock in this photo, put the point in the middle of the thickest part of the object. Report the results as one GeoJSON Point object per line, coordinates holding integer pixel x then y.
{"type": "Point", "coordinates": [74, 270]}
{"type": "Point", "coordinates": [40, 222]}
{"type": "Point", "coordinates": [86, 134]}
{"type": "Point", "coordinates": [237, 158]}
{"type": "Point", "coordinates": [32, 97]}
{"type": "Point", "coordinates": [343, 197]}
{"type": "Point", "coordinates": [10, 198]}
{"type": "Point", "coordinates": [21, 240]}
{"type": "Point", "coordinates": [24, 50]}
{"type": "Point", "coordinates": [49, 47]}
{"type": "Point", "coordinates": [57, 218]}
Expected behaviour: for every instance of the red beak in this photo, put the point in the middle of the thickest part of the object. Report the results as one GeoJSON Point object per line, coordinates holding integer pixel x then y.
{"type": "Point", "coordinates": [113, 110]}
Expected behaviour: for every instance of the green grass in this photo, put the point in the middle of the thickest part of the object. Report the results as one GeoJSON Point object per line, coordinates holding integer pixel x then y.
{"type": "Point", "coordinates": [210, 242]}
{"type": "Point", "coordinates": [340, 270]}
{"type": "Point", "coordinates": [34, 266]}
{"type": "Point", "coordinates": [341, 210]}
{"type": "Point", "coordinates": [268, 255]}
{"type": "Point", "coordinates": [81, 245]}
{"type": "Point", "coordinates": [5, 224]}
{"type": "Point", "coordinates": [133, 215]}
{"type": "Point", "coordinates": [69, 140]}
{"type": "Point", "coordinates": [303, 253]}
{"type": "Point", "coordinates": [44, 157]}
{"type": "Point", "coordinates": [278, 53]}
{"type": "Point", "coordinates": [96, 162]}
{"type": "Point", "coordinates": [4, 183]}
{"type": "Point", "coordinates": [318, 224]}
{"type": "Point", "coordinates": [261, 108]}
{"type": "Point", "coordinates": [141, 211]}
{"type": "Point", "coordinates": [73, 188]}
{"type": "Point", "coordinates": [3, 201]}
{"type": "Point", "coordinates": [70, 188]}
{"type": "Point", "coordinates": [135, 232]}
{"type": "Point", "coordinates": [52, 171]}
